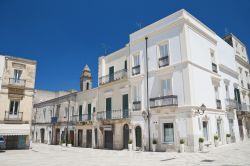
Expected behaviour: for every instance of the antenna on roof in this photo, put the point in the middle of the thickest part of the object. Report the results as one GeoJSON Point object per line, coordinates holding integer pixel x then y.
{"type": "Point", "coordinates": [105, 48]}
{"type": "Point", "coordinates": [139, 24]}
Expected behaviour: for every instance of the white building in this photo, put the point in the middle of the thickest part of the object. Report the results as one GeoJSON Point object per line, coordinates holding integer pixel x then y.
{"type": "Point", "coordinates": [152, 89]}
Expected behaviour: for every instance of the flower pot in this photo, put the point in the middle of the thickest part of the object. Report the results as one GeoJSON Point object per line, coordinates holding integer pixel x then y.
{"type": "Point", "coordinates": [69, 145]}
{"type": "Point", "coordinates": [154, 147]}
{"type": "Point", "coordinates": [130, 147]}
{"type": "Point", "coordinates": [64, 144]}
{"type": "Point", "coordinates": [201, 146]}
{"type": "Point", "coordinates": [228, 140]}
{"type": "Point", "coordinates": [182, 146]}
{"type": "Point", "coordinates": [216, 143]}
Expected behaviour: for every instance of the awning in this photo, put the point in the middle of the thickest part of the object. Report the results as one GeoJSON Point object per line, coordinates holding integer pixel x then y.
{"type": "Point", "coordinates": [14, 129]}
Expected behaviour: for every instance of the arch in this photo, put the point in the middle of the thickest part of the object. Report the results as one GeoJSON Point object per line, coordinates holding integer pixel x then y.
{"type": "Point", "coordinates": [125, 136]}
{"type": "Point", "coordinates": [87, 86]}
{"type": "Point", "coordinates": [138, 136]}
{"type": "Point", "coordinates": [42, 131]}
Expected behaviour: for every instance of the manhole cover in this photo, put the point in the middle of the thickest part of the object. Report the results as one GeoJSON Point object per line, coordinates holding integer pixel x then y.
{"type": "Point", "coordinates": [206, 160]}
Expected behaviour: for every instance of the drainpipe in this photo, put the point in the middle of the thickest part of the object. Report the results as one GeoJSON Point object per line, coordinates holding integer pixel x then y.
{"type": "Point", "coordinates": [149, 141]}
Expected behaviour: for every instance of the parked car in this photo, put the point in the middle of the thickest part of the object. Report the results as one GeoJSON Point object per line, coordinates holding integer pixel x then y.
{"type": "Point", "coordinates": [2, 143]}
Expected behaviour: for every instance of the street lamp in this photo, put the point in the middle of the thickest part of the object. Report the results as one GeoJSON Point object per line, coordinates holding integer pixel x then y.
{"type": "Point", "coordinates": [201, 109]}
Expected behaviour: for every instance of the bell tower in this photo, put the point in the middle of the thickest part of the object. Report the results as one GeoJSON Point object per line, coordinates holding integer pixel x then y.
{"type": "Point", "coordinates": [86, 79]}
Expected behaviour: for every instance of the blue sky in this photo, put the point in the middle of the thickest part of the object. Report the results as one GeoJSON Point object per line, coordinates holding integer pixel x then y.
{"type": "Point", "coordinates": [64, 35]}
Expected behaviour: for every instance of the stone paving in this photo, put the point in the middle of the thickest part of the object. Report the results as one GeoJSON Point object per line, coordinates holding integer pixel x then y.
{"type": "Point", "coordinates": [50, 155]}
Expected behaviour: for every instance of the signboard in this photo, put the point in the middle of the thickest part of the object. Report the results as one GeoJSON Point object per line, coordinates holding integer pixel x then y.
{"type": "Point", "coordinates": [53, 120]}
{"type": "Point", "coordinates": [107, 127]}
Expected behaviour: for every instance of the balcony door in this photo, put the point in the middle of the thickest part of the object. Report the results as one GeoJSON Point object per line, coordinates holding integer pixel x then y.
{"type": "Point", "coordinates": [125, 106]}
{"type": "Point", "coordinates": [111, 73]}
{"type": "Point", "coordinates": [89, 111]}
{"type": "Point", "coordinates": [14, 108]}
{"type": "Point", "coordinates": [80, 113]}
{"type": "Point", "coordinates": [17, 75]}
{"type": "Point", "coordinates": [108, 108]}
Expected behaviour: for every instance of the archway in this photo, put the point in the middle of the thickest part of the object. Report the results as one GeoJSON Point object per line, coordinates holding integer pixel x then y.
{"type": "Point", "coordinates": [138, 138]}
{"type": "Point", "coordinates": [125, 136]}
{"type": "Point", "coordinates": [42, 135]}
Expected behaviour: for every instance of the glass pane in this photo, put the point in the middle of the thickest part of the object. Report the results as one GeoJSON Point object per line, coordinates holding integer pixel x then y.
{"type": "Point", "coordinates": [16, 107]}
{"type": "Point", "coordinates": [168, 133]}
{"type": "Point", "coordinates": [11, 107]}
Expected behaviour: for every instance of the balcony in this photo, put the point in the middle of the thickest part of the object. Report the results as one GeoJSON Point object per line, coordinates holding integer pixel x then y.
{"type": "Point", "coordinates": [13, 117]}
{"type": "Point", "coordinates": [170, 100]}
{"type": "Point", "coordinates": [17, 82]}
{"type": "Point", "coordinates": [248, 86]}
{"type": "Point", "coordinates": [214, 68]}
{"type": "Point", "coordinates": [163, 61]}
{"type": "Point", "coordinates": [136, 105]}
{"type": "Point", "coordinates": [81, 118]}
{"type": "Point", "coordinates": [136, 70]}
{"type": "Point", "coordinates": [113, 115]}
{"type": "Point", "coordinates": [231, 103]}
{"type": "Point", "coordinates": [118, 75]}
{"type": "Point", "coordinates": [218, 104]}
{"type": "Point", "coordinates": [243, 107]}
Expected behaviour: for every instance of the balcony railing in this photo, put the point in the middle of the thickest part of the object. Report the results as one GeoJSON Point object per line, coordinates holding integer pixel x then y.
{"type": "Point", "coordinates": [136, 105]}
{"type": "Point", "coordinates": [214, 68]}
{"type": "Point", "coordinates": [82, 118]}
{"type": "Point", "coordinates": [113, 115]}
{"type": "Point", "coordinates": [248, 86]}
{"type": "Point", "coordinates": [17, 82]}
{"type": "Point", "coordinates": [13, 117]}
{"type": "Point", "coordinates": [231, 104]}
{"type": "Point", "coordinates": [218, 104]}
{"type": "Point", "coordinates": [170, 100]}
{"type": "Point", "coordinates": [118, 75]}
{"type": "Point", "coordinates": [136, 70]}
{"type": "Point", "coordinates": [163, 61]}
{"type": "Point", "coordinates": [243, 107]}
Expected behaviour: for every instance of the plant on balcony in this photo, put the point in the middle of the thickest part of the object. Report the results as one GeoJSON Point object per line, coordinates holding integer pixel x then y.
{"type": "Point", "coordinates": [228, 138]}
{"type": "Point", "coordinates": [130, 145]}
{"type": "Point", "coordinates": [182, 146]}
{"type": "Point", "coordinates": [201, 144]}
{"type": "Point", "coordinates": [216, 142]}
{"type": "Point", "coordinates": [154, 145]}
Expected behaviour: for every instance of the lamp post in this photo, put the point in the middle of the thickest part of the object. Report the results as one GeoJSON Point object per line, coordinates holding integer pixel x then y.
{"type": "Point", "coordinates": [67, 124]}
{"type": "Point", "coordinates": [201, 109]}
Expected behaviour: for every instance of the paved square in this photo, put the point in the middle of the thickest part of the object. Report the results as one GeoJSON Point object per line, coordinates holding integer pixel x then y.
{"type": "Point", "coordinates": [226, 155]}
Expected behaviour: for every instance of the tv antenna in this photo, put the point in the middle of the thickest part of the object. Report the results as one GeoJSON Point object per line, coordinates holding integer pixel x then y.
{"type": "Point", "coordinates": [105, 48]}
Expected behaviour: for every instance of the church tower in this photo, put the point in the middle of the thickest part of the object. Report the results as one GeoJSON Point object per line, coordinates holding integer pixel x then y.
{"type": "Point", "coordinates": [86, 79]}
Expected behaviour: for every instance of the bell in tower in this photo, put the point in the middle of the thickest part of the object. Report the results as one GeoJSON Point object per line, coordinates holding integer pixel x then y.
{"type": "Point", "coordinates": [86, 79]}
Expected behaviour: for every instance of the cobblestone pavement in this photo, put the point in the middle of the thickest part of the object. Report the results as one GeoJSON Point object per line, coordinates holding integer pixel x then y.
{"type": "Point", "coordinates": [50, 155]}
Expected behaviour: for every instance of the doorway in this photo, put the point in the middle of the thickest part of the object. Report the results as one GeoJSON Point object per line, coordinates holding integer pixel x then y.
{"type": "Point", "coordinates": [125, 136]}
{"type": "Point", "coordinates": [108, 139]}
{"type": "Point", "coordinates": [72, 137]}
{"type": "Point", "coordinates": [89, 139]}
{"type": "Point", "coordinates": [138, 136]}
{"type": "Point", "coordinates": [57, 136]}
{"type": "Point", "coordinates": [42, 135]}
{"type": "Point", "coordinates": [79, 137]}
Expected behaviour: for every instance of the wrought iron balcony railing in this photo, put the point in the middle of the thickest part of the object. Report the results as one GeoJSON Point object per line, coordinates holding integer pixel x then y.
{"type": "Point", "coordinates": [214, 67]}
{"type": "Point", "coordinates": [218, 104]}
{"type": "Point", "coordinates": [17, 82]}
{"type": "Point", "coordinates": [113, 115]}
{"type": "Point", "coordinates": [170, 100]}
{"type": "Point", "coordinates": [136, 105]}
{"type": "Point", "coordinates": [10, 116]}
{"type": "Point", "coordinates": [163, 61]}
{"type": "Point", "coordinates": [231, 104]}
{"type": "Point", "coordinates": [136, 70]}
{"type": "Point", "coordinates": [118, 75]}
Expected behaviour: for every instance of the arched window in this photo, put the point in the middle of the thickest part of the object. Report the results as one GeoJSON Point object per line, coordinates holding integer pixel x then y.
{"type": "Point", "coordinates": [87, 87]}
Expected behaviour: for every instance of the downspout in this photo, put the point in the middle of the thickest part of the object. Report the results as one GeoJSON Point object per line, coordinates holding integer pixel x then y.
{"type": "Point", "coordinates": [149, 141]}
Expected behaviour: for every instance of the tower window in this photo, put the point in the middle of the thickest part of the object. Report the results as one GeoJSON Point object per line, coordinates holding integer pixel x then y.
{"type": "Point", "coordinates": [87, 88]}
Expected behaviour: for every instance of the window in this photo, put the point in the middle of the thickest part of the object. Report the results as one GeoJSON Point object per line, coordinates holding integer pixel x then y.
{"type": "Point", "coordinates": [14, 107]}
{"type": "Point", "coordinates": [166, 86]}
{"type": "Point", "coordinates": [125, 65]}
{"type": "Point", "coordinates": [168, 130]}
{"type": "Point", "coordinates": [57, 110]}
{"type": "Point", "coordinates": [44, 113]}
{"type": "Point", "coordinates": [87, 88]}
{"type": "Point", "coordinates": [219, 128]}
{"type": "Point", "coordinates": [214, 65]}
{"type": "Point", "coordinates": [205, 130]}
{"type": "Point", "coordinates": [217, 96]}
{"type": "Point", "coordinates": [17, 74]}
{"type": "Point", "coordinates": [136, 59]}
{"type": "Point", "coordinates": [65, 112]}
{"type": "Point", "coordinates": [137, 93]}
{"type": "Point", "coordinates": [163, 50]}
{"type": "Point", "coordinates": [227, 92]}
{"type": "Point", "coordinates": [246, 73]}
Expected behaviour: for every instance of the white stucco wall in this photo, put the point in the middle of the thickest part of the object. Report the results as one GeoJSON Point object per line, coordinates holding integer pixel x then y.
{"type": "Point", "coordinates": [2, 63]}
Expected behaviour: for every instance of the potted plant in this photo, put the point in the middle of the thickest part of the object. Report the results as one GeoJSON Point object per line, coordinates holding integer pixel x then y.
{"type": "Point", "coordinates": [130, 145]}
{"type": "Point", "coordinates": [69, 143]}
{"type": "Point", "coordinates": [216, 142]}
{"type": "Point", "coordinates": [63, 143]}
{"type": "Point", "coordinates": [228, 138]}
{"type": "Point", "coordinates": [182, 141]}
{"type": "Point", "coordinates": [154, 145]}
{"type": "Point", "coordinates": [201, 144]}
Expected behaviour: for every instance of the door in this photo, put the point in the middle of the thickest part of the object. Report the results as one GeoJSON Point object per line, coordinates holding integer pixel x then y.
{"type": "Point", "coordinates": [80, 113]}
{"type": "Point", "coordinates": [42, 135]}
{"type": "Point", "coordinates": [79, 137]}
{"type": "Point", "coordinates": [111, 73]}
{"type": "Point", "coordinates": [89, 111]}
{"type": "Point", "coordinates": [231, 124]}
{"type": "Point", "coordinates": [96, 137]}
{"type": "Point", "coordinates": [125, 106]}
{"type": "Point", "coordinates": [57, 136]}
{"type": "Point", "coordinates": [125, 136]}
{"type": "Point", "coordinates": [72, 137]}
{"type": "Point", "coordinates": [13, 111]}
{"type": "Point", "coordinates": [108, 108]}
{"type": "Point", "coordinates": [89, 138]}
{"type": "Point", "coordinates": [241, 129]}
{"type": "Point", "coordinates": [108, 139]}
{"type": "Point", "coordinates": [138, 136]}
